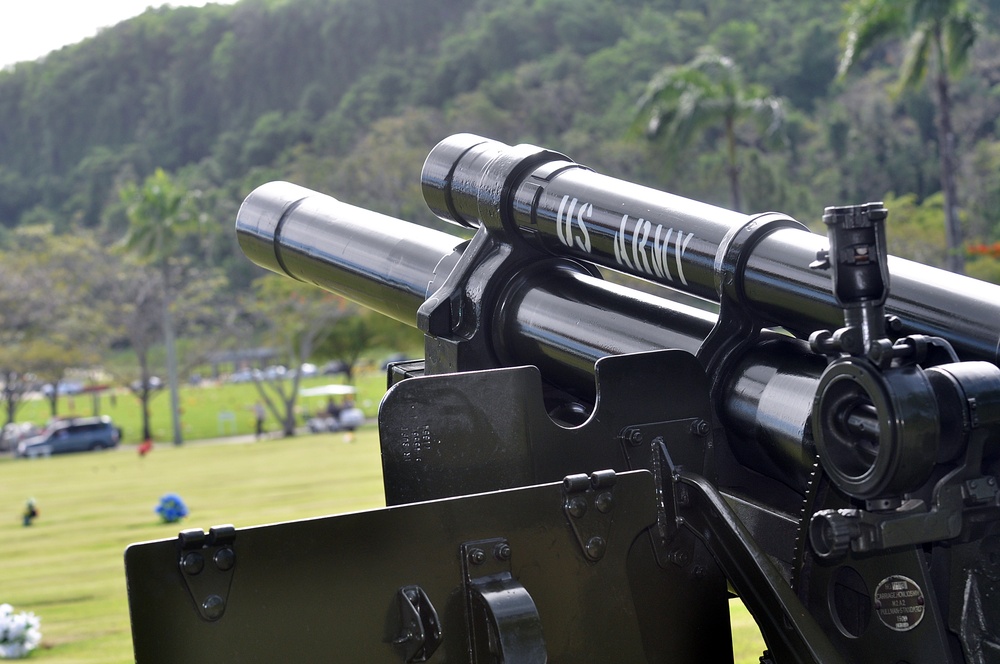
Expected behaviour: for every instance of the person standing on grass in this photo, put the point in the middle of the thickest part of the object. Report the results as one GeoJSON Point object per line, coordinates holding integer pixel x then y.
{"type": "Point", "coordinates": [259, 414]}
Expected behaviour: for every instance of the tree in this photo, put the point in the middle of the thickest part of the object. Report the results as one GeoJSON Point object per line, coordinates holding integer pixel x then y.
{"type": "Point", "coordinates": [131, 304]}
{"type": "Point", "coordinates": [298, 319]}
{"type": "Point", "coordinates": [350, 336]}
{"type": "Point", "coordinates": [160, 216]}
{"type": "Point", "coordinates": [941, 35]}
{"type": "Point", "coordinates": [47, 321]}
{"type": "Point", "coordinates": [682, 103]}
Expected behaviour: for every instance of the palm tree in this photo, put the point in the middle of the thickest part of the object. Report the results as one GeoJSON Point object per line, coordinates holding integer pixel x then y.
{"type": "Point", "coordinates": [682, 102]}
{"type": "Point", "coordinates": [159, 218]}
{"type": "Point", "coordinates": [941, 34]}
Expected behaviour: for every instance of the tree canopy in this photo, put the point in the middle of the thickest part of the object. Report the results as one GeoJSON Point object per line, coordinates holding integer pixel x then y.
{"type": "Point", "coordinates": [156, 129]}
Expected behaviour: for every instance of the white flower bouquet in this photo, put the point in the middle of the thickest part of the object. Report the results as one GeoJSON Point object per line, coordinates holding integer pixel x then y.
{"type": "Point", "coordinates": [19, 633]}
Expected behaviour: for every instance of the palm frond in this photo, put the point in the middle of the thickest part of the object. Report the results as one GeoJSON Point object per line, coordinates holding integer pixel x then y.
{"type": "Point", "coordinates": [869, 22]}
{"type": "Point", "coordinates": [918, 49]}
{"type": "Point", "coordinates": [960, 32]}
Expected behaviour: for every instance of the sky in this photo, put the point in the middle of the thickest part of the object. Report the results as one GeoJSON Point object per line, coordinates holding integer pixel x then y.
{"type": "Point", "coordinates": [30, 29]}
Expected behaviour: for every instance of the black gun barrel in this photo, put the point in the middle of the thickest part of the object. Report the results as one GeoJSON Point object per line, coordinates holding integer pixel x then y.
{"type": "Point", "coordinates": [559, 319]}
{"type": "Point", "coordinates": [569, 210]}
{"type": "Point", "coordinates": [563, 323]}
{"type": "Point", "coordinates": [385, 264]}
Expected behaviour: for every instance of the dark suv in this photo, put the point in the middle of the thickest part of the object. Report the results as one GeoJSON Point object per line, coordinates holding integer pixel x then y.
{"type": "Point", "coordinates": [75, 435]}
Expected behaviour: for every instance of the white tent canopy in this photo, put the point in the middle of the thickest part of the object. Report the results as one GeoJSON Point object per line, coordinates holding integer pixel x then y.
{"type": "Point", "coordinates": [330, 390]}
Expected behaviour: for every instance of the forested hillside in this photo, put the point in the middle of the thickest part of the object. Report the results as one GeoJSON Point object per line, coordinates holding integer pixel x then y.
{"type": "Point", "coordinates": [347, 96]}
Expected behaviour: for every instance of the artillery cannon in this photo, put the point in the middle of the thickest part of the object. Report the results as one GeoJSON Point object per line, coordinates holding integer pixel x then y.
{"type": "Point", "coordinates": [582, 471]}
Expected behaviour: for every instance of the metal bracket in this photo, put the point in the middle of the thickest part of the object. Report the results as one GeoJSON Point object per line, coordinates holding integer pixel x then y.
{"type": "Point", "coordinates": [688, 439]}
{"type": "Point", "coordinates": [589, 503]}
{"type": "Point", "coordinates": [646, 446]}
{"type": "Point", "coordinates": [206, 563]}
{"type": "Point", "coordinates": [419, 628]}
{"type": "Point", "coordinates": [504, 625]}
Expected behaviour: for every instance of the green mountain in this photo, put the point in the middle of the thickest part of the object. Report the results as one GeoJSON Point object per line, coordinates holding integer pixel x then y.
{"type": "Point", "coordinates": [349, 95]}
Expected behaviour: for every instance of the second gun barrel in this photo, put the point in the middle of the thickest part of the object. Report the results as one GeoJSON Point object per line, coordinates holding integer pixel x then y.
{"type": "Point", "coordinates": [569, 210]}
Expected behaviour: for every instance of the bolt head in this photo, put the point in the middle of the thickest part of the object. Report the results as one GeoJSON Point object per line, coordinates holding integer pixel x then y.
{"type": "Point", "coordinates": [596, 546]}
{"type": "Point", "coordinates": [477, 556]}
{"type": "Point", "coordinates": [224, 559]}
{"type": "Point", "coordinates": [502, 552]}
{"type": "Point", "coordinates": [577, 506]}
{"type": "Point", "coordinates": [193, 563]}
{"type": "Point", "coordinates": [700, 428]}
{"type": "Point", "coordinates": [213, 606]}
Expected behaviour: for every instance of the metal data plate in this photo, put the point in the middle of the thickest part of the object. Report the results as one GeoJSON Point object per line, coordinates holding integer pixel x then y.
{"type": "Point", "coordinates": [328, 589]}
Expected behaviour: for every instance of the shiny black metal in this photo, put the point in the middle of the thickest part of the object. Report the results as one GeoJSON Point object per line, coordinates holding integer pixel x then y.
{"type": "Point", "coordinates": [568, 210]}
{"type": "Point", "coordinates": [548, 313]}
{"type": "Point", "coordinates": [206, 562]}
{"type": "Point", "coordinates": [380, 262]}
{"type": "Point", "coordinates": [858, 263]}
{"type": "Point", "coordinates": [504, 626]}
{"type": "Point", "coordinates": [420, 631]}
{"type": "Point", "coordinates": [791, 633]}
{"type": "Point", "coordinates": [326, 589]}
{"type": "Point", "coordinates": [505, 437]}
{"type": "Point", "coordinates": [895, 458]}
{"type": "Point", "coordinates": [552, 315]}
{"type": "Point", "coordinates": [558, 373]}
{"type": "Point", "coordinates": [768, 405]}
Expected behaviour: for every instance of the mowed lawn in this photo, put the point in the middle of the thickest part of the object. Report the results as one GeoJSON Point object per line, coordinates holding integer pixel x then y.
{"type": "Point", "coordinates": [67, 567]}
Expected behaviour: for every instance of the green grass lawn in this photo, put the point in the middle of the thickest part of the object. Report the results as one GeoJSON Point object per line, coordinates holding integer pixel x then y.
{"type": "Point", "coordinates": [68, 567]}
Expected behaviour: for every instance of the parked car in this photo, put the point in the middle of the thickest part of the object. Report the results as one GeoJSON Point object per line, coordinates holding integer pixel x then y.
{"type": "Point", "coordinates": [14, 433]}
{"type": "Point", "coordinates": [74, 435]}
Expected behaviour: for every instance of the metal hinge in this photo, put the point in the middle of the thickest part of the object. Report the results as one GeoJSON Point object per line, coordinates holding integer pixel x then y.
{"type": "Point", "coordinates": [207, 562]}
{"type": "Point", "coordinates": [419, 627]}
{"type": "Point", "coordinates": [589, 502]}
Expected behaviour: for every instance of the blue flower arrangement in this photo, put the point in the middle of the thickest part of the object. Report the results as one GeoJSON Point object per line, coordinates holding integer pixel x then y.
{"type": "Point", "coordinates": [171, 508]}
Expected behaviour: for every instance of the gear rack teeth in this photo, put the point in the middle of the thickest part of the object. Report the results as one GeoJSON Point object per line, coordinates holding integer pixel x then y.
{"type": "Point", "coordinates": [802, 535]}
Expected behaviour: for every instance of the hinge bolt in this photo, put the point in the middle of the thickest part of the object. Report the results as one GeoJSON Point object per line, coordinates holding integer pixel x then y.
{"type": "Point", "coordinates": [596, 547]}
{"type": "Point", "coordinates": [224, 559]}
{"type": "Point", "coordinates": [213, 606]}
{"type": "Point", "coordinates": [700, 428]}
{"type": "Point", "coordinates": [193, 563]}
{"type": "Point", "coordinates": [577, 506]}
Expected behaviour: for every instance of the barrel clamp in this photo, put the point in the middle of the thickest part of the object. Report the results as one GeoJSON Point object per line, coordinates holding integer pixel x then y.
{"type": "Point", "coordinates": [207, 562]}
{"type": "Point", "coordinates": [504, 625]}
{"type": "Point", "coordinates": [737, 326]}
